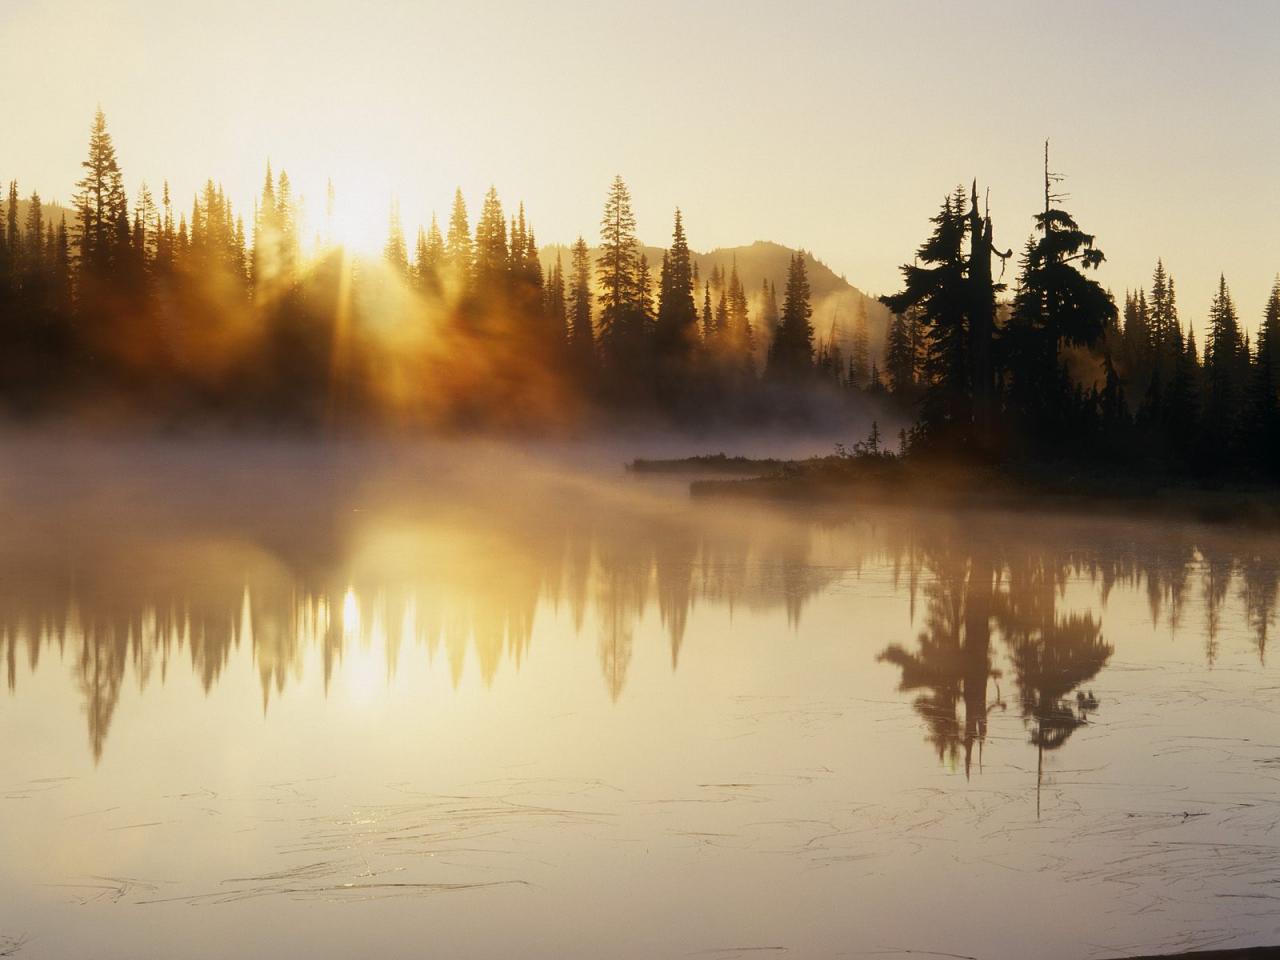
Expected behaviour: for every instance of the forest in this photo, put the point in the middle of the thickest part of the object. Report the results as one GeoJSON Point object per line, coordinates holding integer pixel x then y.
{"type": "Point", "coordinates": [128, 312]}
{"type": "Point", "coordinates": [143, 313]}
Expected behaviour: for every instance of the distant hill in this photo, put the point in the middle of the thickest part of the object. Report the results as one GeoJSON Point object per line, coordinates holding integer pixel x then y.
{"type": "Point", "coordinates": [51, 212]}
{"type": "Point", "coordinates": [835, 301]}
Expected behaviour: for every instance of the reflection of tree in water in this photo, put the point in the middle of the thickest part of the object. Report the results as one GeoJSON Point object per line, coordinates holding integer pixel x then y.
{"type": "Point", "coordinates": [1051, 655]}
{"type": "Point", "coordinates": [1218, 571]}
{"type": "Point", "coordinates": [675, 553]}
{"type": "Point", "coordinates": [1260, 578]}
{"type": "Point", "coordinates": [467, 586]}
{"type": "Point", "coordinates": [625, 564]}
{"type": "Point", "coordinates": [786, 573]}
{"type": "Point", "coordinates": [952, 664]}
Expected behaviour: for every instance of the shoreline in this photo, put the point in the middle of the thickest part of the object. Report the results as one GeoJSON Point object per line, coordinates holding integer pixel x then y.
{"type": "Point", "coordinates": [887, 481]}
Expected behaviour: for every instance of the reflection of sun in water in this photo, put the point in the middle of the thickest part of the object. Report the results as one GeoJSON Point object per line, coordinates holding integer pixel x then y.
{"type": "Point", "coordinates": [350, 615]}
{"type": "Point", "coordinates": [364, 675]}
{"type": "Point", "coordinates": [364, 655]}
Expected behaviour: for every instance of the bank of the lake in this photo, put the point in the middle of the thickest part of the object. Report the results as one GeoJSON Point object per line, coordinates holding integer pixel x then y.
{"type": "Point", "coordinates": [885, 479]}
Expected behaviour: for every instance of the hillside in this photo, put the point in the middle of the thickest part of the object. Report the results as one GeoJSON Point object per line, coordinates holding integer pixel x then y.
{"type": "Point", "coordinates": [835, 301]}
{"type": "Point", "coordinates": [51, 212]}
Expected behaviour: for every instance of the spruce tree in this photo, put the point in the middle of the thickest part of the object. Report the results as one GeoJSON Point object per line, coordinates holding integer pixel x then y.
{"type": "Point", "coordinates": [286, 217]}
{"type": "Point", "coordinates": [60, 276]}
{"type": "Point", "coordinates": [899, 357]}
{"type": "Point", "coordinates": [1264, 392]}
{"type": "Point", "coordinates": [458, 249]}
{"type": "Point", "coordinates": [556, 307]}
{"type": "Point", "coordinates": [417, 271]}
{"type": "Point", "coordinates": [769, 314]}
{"type": "Point", "coordinates": [491, 252]}
{"type": "Point", "coordinates": [677, 324]}
{"type": "Point", "coordinates": [936, 287]}
{"type": "Point", "coordinates": [1056, 305]}
{"type": "Point", "coordinates": [581, 334]}
{"type": "Point", "coordinates": [644, 315]}
{"type": "Point", "coordinates": [1182, 403]}
{"type": "Point", "coordinates": [860, 351]}
{"type": "Point", "coordinates": [265, 258]}
{"type": "Point", "coordinates": [395, 252]}
{"type": "Point", "coordinates": [1163, 322]}
{"type": "Point", "coordinates": [147, 223]}
{"type": "Point", "coordinates": [431, 260]}
{"type": "Point", "coordinates": [33, 243]}
{"type": "Point", "coordinates": [708, 319]}
{"type": "Point", "coordinates": [1222, 353]}
{"type": "Point", "coordinates": [100, 201]}
{"type": "Point", "coordinates": [616, 268]}
{"type": "Point", "coordinates": [741, 336]}
{"type": "Point", "coordinates": [791, 354]}
{"type": "Point", "coordinates": [13, 238]}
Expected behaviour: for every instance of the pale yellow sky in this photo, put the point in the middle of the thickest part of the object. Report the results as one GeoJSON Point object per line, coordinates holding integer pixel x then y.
{"type": "Point", "coordinates": [836, 126]}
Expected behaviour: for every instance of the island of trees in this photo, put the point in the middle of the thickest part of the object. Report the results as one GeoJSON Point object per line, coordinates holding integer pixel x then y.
{"type": "Point", "coordinates": [141, 311]}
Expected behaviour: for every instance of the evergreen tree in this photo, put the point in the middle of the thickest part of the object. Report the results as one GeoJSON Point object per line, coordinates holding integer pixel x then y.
{"type": "Point", "coordinates": [557, 306]}
{"type": "Point", "coordinates": [677, 323]}
{"type": "Point", "coordinates": [1182, 405]}
{"type": "Point", "coordinates": [581, 334]}
{"type": "Point", "coordinates": [616, 269]}
{"type": "Point", "coordinates": [708, 319]}
{"type": "Point", "coordinates": [981, 311]}
{"type": "Point", "coordinates": [13, 238]}
{"type": "Point", "coordinates": [1136, 341]}
{"type": "Point", "coordinates": [165, 236]}
{"type": "Point", "coordinates": [1056, 305]}
{"type": "Point", "coordinates": [419, 268]}
{"type": "Point", "coordinates": [741, 336]}
{"type": "Point", "coordinates": [645, 316]}
{"type": "Point", "coordinates": [1224, 357]}
{"type": "Point", "coordinates": [899, 356]}
{"type": "Point", "coordinates": [791, 354]}
{"type": "Point", "coordinates": [286, 219]}
{"type": "Point", "coordinates": [939, 291]}
{"type": "Point", "coordinates": [395, 253]}
{"type": "Point", "coordinates": [266, 234]}
{"type": "Point", "coordinates": [491, 252]}
{"type": "Point", "coordinates": [6, 270]}
{"type": "Point", "coordinates": [147, 227]}
{"type": "Point", "coordinates": [458, 250]}
{"type": "Point", "coordinates": [33, 244]}
{"type": "Point", "coordinates": [860, 351]}
{"type": "Point", "coordinates": [60, 270]}
{"type": "Point", "coordinates": [1163, 323]}
{"type": "Point", "coordinates": [100, 201]}
{"type": "Point", "coordinates": [1264, 392]}
{"type": "Point", "coordinates": [769, 313]}
{"type": "Point", "coordinates": [430, 259]}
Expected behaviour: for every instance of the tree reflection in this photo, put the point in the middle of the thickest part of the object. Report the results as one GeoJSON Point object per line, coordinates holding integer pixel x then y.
{"type": "Point", "coordinates": [1051, 654]}
{"type": "Point", "coordinates": [471, 587]}
{"type": "Point", "coordinates": [952, 665]}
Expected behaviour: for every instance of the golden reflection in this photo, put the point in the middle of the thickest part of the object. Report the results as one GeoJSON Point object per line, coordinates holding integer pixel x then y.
{"type": "Point", "coordinates": [468, 584]}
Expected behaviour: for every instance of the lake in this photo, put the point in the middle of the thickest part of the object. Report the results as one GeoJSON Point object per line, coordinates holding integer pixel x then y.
{"type": "Point", "coordinates": [472, 701]}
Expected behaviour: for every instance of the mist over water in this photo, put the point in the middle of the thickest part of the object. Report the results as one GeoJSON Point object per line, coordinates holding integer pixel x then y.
{"type": "Point", "coordinates": [475, 699]}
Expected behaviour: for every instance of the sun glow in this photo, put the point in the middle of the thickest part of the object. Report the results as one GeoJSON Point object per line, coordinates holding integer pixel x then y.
{"type": "Point", "coordinates": [359, 224]}
{"type": "Point", "coordinates": [350, 615]}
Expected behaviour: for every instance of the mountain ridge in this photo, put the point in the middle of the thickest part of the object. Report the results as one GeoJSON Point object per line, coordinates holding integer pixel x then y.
{"type": "Point", "coordinates": [836, 302]}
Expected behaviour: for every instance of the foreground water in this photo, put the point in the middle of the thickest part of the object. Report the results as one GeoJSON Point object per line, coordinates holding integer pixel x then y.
{"type": "Point", "coordinates": [279, 701]}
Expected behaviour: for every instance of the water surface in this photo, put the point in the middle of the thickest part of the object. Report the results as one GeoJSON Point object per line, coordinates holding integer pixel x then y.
{"type": "Point", "coordinates": [276, 700]}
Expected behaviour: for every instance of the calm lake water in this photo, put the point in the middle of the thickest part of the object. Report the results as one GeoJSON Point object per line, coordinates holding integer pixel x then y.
{"type": "Point", "coordinates": [445, 702]}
